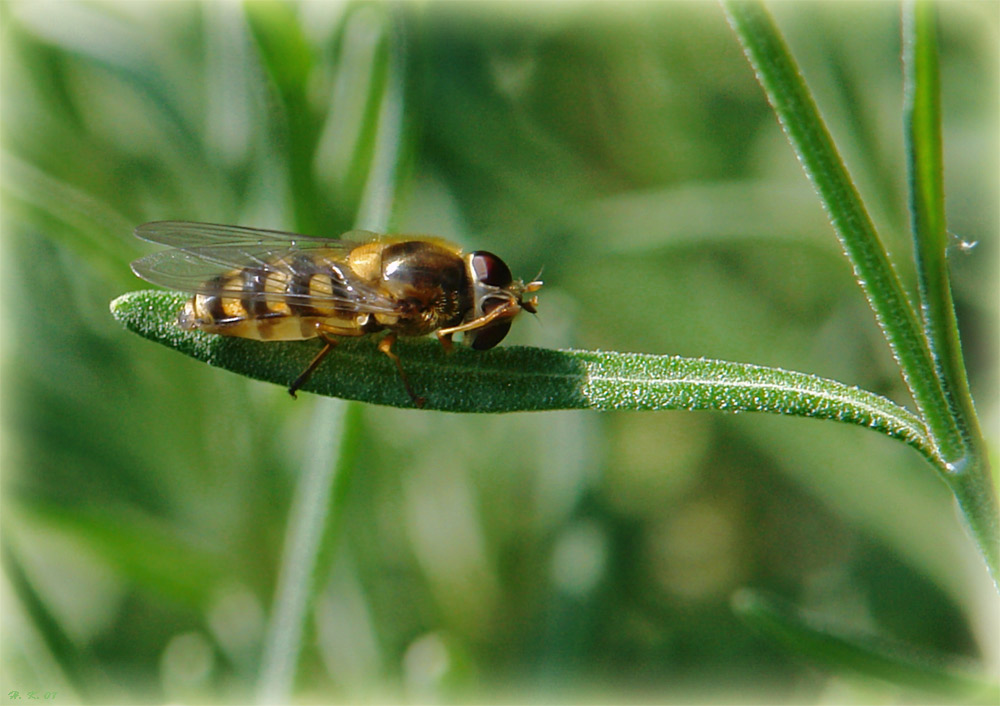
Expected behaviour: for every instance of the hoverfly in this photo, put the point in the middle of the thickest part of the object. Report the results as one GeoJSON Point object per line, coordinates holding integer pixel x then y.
{"type": "Point", "coordinates": [275, 286]}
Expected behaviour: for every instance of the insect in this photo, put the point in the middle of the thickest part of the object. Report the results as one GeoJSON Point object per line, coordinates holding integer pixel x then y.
{"type": "Point", "coordinates": [275, 286]}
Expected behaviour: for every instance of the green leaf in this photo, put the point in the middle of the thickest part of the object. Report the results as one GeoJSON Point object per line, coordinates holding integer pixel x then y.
{"type": "Point", "coordinates": [970, 480]}
{"type": "Point", "coordinates": [929, 358]}
{"type": "Point", "coordinates": [512, 379]}
{"type": "Point", "coordinates": [120, 46]}
{"type": "Point", "coordinates": [792, 102]}
{"type": "Point", "coordinates": [289, 60]}
{"type": "Point", "coordinates": [347, 145]}
{"type": "Point", "coordinates": [865, 654]}
{"type": "Point", "coordinates": [366, 174]}
{"type": "Point", "coordinates": [64, 652]}
{"type": "Point", "coordinates": [922, 109]}
{"type": "Point", "coordinates": [309, 545]}
{"type": "Point", "coordinates": [142, 548]}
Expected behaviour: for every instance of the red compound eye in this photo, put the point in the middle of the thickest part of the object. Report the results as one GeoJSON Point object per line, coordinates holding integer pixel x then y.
{"type": "Point", "coordinates": [486, 338]}
{"type": "Point", "coordinates": [490, 269]}
{"type": "Point", "coordinates": [490, 336]}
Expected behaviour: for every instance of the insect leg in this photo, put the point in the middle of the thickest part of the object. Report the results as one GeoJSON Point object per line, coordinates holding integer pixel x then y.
{"type": "Point", "coordinates": [498, 313]}
{"type": "Point", "coordinates": [446, 342]}
{"type": "Point", "coordinates": [311, 368]}
{"type": "Point", "coordinates": [326, 332]}
{"type": "Point", "coordinates": [385, 345]}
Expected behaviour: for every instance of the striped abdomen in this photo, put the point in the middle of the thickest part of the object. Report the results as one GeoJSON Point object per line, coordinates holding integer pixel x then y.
{"type": "Point", "coordinates": [281, 302]}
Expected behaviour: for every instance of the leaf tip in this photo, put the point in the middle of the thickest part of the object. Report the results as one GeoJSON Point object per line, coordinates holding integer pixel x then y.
{"type": "Point", "coordinates": [119, 305]}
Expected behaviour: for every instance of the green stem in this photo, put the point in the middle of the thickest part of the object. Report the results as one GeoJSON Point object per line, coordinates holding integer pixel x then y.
{"type": "Point", "coordinates": [970, 477]}
{"type": "Point", "coordinates": [310, 543]}
{"type": "Point", "coordinates": [839, 649]}
{"type": "Point", "coordinates": [800, 119]}
{"type": "Point", "coordinates": [375, 203]}
{"type": "Point", "coordinates": [64, 653]}
{"type": "Point", "coordinates": [309, 517]}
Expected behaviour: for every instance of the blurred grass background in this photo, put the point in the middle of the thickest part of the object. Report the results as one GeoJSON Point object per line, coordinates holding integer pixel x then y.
{"type": "Point", "coordinates": [625, 149]}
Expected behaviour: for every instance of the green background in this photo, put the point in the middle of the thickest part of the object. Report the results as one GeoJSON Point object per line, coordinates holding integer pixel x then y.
{"type": "Point", "coordinates": [627, 152]}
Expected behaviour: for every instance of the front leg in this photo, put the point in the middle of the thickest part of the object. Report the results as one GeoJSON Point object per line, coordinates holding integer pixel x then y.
{"type": "Point", "coordinates": [446, 342]}
{"type": "Point", "coordinates": [505, 311]}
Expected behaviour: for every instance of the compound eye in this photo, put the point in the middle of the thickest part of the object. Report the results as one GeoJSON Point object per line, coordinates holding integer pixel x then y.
{"type": "Point", "coordinates": [490, 336]}
{"type": "Point", "coordinates": [485, 338]}
{"type": "Point", "coordinates": [490, 269]}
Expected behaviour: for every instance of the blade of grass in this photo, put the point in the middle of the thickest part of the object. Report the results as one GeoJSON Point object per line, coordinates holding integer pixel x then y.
{"type": "Point", "coordinates": [342, 159]}
{"type": "Point", "coordinates": [288, 58]}
{"type": "Point", "coordinates": [971, 479]}
{"type": "Point", "coordinates": [311, 540]}
{"type": "Point", "coordinates": [391, 133]}
{"type": "Point", "coordinates": [777, 73]}
{"type": "Point", "coordinates": [512, 379]}
{"type": "Point", "coordinates": [119, 46]}
{"type": "Point", "coordinates": [142, 548]}
{"type": "Point", "coordinates": [309, 515]}
{"type": "Point", "coordinates": [942, 399]}
{"type": "Point", "coordinates": [868, 655]}
{"type": "Point", "coordinates": [87, 219]}
{"type": "Point", "coordinates": [64, 652]}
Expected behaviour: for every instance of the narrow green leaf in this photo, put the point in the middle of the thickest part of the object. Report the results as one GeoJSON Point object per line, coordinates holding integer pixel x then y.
{"type": "Point", "coordinates": [366, 177]}
{"type": "Point", "coordinates": [289, 60]}
{"type": "Point", "coordinates": [970, 479]}
{"type": "Point", "coordinates": [310, 519]}
{"type": "Point", "coordinates": [283, 46]}
{"type": "Point", "coordinates": [922, 110]}
{"type": "Point", "coordinates": [864, 654]}
{"type": "Point", "coordinates": [120, 46]}
{"type": "Point", "coordinates": [392, 143]}
{"type": "Point", "coordinates": [141, 548]}
{"type": "Point", "coordinates": [786, 90]}
{"type": "Point", "coordinates": [510, 379]}
{"type": "Point", "coordinates": [343, 156]}
{"type": "Point", "coordinates": [87, 219]}
{"type": "Point", "coordinates": [64, 652]}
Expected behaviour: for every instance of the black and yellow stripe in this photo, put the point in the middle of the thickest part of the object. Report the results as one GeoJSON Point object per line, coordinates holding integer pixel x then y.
{"type": "Point", "coordinates": [281, 302]}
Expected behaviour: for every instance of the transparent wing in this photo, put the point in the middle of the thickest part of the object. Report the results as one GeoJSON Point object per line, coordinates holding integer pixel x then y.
{"type": "Point", "coordinates": [188, 234]}
{"type": "Point", "coordinates": [202, 252]}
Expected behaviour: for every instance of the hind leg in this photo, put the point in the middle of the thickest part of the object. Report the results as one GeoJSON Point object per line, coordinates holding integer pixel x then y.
{"type": "Point", "coordinates": [327, 333]}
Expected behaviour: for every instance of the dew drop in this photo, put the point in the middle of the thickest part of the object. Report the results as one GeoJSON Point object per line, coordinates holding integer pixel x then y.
{"type": "Point", "coordinates": [961, 244]}
{"type": "Point", "coordinates": [958, 466]}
